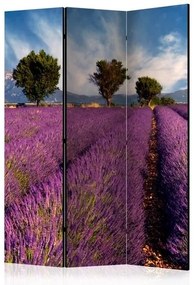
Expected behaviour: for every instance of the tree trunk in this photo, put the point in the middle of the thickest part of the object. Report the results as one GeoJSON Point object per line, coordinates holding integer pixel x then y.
{"type": "Point", "coordinates": [149, 104]}
{"type": "Point", "coordinates": [109, 101]}
{"type": "Point", "coordinates": [37, 103]}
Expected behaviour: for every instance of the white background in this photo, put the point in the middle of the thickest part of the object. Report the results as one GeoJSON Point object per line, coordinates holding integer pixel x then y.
{"type": "Point", "coordinates": [23, 274]}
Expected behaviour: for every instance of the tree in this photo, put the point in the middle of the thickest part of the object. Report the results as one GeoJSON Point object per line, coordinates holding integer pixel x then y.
{"type": "Point", "coordinates": [109, 77]}
{"type": "Point", "coordinates": [147, 88]}
{"type": "Point", "coordinates": [167, 101]}
{"type": "Point", "coordinates": [155, 101]}
{"type": "Point", "coordinates": [38, 75]}
{"type": "Point", "coordinates": [161, 101]}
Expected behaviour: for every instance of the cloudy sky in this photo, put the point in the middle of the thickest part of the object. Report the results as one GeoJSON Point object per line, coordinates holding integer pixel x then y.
{"type": "Point", "coordinates": [92, 35]}
{"type": "Point", "coordinates": [157, 46]}
{"type": "Point", "coordinates": [32, 30]}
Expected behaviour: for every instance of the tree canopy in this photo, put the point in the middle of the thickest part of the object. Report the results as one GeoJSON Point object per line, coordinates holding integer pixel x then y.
{"type": "Point", "coordinates": [147, 88]}
{"type": "Point", "coordinates": [37, 75]}
{"type": "Point", "coordinates": [164, 101]}
{"type": "Point", "coordinates": [167, 101]}
{"type": "Point", "coordinates": [110, 75]}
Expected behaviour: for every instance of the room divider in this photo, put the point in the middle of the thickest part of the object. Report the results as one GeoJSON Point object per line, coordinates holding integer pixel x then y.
{"type": "Point", "coordinates": [96, 137]}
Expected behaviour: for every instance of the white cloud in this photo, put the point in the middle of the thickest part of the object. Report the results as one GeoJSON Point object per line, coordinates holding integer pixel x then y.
{"type": "Point", "coordinates": [168, 66]}
{"type": "Point", "coordinates": [170, 38]}
{"type": "Point", "coordinates": [171, 42]}
{"type": "Point", "coordinates": [19, 47]}
{"type": "Point", "coordinates": [81, 60]}
{"type": "Point", "coordinates": [51, 36]}
{"type": "Point", "coordinates": [50, 39]}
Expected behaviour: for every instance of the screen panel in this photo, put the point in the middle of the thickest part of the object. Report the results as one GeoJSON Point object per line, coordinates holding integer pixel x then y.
{"type": "Point", "coordinates": [96, 137]}
{"type": "Point", "coordinates": [33, 137]}
{"type": "Point", "coordinates": [126, 166]}
{"type": "Point", "coordinates": [157, 146]}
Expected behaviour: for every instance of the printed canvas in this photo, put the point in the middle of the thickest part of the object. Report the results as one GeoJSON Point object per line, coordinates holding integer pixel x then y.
{"type": "Point", "coordinates": [127, 137]}
{"type": "Point", "coordinates": [96, 137]}
{"type": "Point", "coordinates": [34, 137]}
{"type": "Point", "coordinates": [96, 157]}
{"type": "Point", "coordinates": [157, 146]}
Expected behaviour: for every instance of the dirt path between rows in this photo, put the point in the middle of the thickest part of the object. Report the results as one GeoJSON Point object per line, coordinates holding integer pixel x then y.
{"type": "Point", "coordinates": [154, 209]}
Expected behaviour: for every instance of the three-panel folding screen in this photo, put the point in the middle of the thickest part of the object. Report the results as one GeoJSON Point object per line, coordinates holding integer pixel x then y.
{"type": "Point", "coordinates": [96, 137]}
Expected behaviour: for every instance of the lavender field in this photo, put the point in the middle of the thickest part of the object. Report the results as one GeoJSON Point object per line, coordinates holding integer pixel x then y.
{"type": "Point", "coordinates": [96, 187]}
{"type": "Point", "coordinates": [173, 178]}
{"type": "Point", "coordinates": [33, 186]}
{"type": "Point", "coordinates": [181, 109]}
{"type": "Point", "coordinates": [127, 187]}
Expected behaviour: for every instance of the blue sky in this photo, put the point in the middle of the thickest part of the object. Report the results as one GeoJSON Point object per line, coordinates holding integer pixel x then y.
{"type": "Point", "coordinates": [157, 43]}
{"type": "Point", "coordinates": [157, 46]}
{"type": "Point", "coordinates": [92, 35]}
{"type": "Point", "coordinates": [32, 30]}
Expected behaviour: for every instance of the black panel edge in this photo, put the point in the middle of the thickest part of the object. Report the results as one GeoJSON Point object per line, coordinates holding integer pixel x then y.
{"type": "Point", "coordinates": [188, 72]}
{"type": "Point", "coordinates": [65, 129]}
{"type": "Point", "coordinates": [63, 134]}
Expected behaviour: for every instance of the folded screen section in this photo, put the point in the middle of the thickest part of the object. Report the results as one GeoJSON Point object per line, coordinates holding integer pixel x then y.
{"type": "Point", "coordinates": [33, 137]}
{"type": "Point", "coordinates": [122, 134]}
{"type": "Point", "coordinates": [96, 144]}
{"type": "Point", "coordinates": [157, 130]}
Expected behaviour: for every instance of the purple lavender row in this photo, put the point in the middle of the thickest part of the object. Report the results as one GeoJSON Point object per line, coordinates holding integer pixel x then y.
{"type": "Point", "coordinates": [139, 130]}
{"type": "Point", "coordinates": [104, 204]}
{"type": "Point", "coordinates": [33, 202]}
{"type": "Point", "coordinates": [32, 156]}
{"type": "Point", "coordinates": [28, 122]}
{"type": "Point", "coordinates": [96, 203]}
{"type": "Point", "coordinates": [173, 182]}
{"type": "Point", "coordinates": [33, 225]}
{"type": "Point", "coordinates": [181, 109]}
{"type": "Point", "coordinates": [86, 125]}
